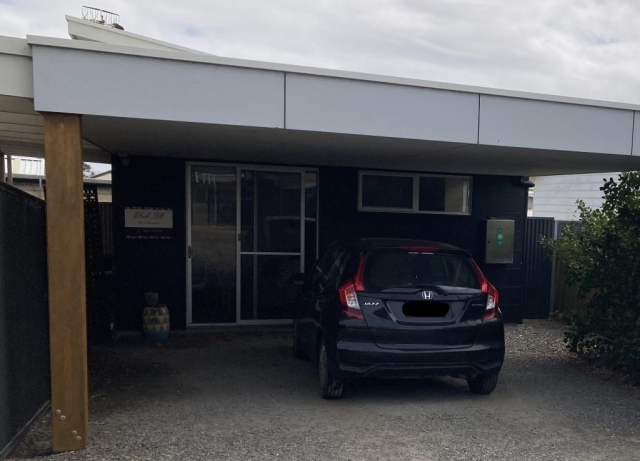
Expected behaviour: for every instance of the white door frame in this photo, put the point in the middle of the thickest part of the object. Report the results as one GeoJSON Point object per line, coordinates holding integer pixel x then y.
{"type": "Point", "coordinates": [239, 168]}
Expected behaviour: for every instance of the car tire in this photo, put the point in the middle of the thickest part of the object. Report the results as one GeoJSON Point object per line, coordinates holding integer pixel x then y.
{"type": "Point", "coordinates": [330, 386]}
{"type": "Point", "coordinates": [483, 384]}
{"type": "Point", "coordinates": [298, 352]}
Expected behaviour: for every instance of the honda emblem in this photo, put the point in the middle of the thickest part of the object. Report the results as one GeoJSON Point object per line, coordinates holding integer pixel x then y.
{"type": "Point", "coordinates": [427, 295]}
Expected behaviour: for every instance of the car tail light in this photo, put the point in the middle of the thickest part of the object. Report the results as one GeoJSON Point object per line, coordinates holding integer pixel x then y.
{"type": "Point", "coordinates": [348, 293]}
{"type": "Point", "coordinates": [421, 249]}
{"type": "Point", "coordinates": [491, 310]}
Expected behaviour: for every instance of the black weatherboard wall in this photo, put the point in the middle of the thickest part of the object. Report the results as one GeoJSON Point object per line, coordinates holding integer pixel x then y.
{"type": "Point", "coordinates": [24, 313]}
{"type": "Point", "coordinates": [493, 197]}
{"type": "Point", "coordinates": [156, 265]}
{"type": "Point", "coordinates": [160, 265]}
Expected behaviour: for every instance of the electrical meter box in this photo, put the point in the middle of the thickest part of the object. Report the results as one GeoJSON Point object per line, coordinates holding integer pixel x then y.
{"type": "Point", "coordinates": [499, 241]}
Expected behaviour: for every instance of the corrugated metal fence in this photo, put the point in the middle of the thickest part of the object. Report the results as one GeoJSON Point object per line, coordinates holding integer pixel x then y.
{"type": "Point", "coordinates": [24, 316]}
{"type": "Point", "coordinates": [538, 268]}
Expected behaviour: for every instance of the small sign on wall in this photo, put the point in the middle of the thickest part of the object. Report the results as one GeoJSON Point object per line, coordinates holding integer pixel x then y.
{"type": "Point", "coordinates": [148, 223]}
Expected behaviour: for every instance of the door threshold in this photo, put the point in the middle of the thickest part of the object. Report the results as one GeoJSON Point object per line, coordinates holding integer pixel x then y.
{"type": "Point", "coordinates": [196, 329]}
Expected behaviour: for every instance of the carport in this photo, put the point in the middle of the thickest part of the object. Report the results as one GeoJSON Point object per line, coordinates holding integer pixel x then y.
{"type": "Point", "coordinates": [330, 143]}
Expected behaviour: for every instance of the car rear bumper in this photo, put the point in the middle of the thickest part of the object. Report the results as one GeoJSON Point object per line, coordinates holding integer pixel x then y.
{"type": "Point", "coordinates": [365, 358]}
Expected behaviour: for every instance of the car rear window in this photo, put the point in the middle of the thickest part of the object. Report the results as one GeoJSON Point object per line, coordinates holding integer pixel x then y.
{"type": "Point", "coordinates": [386, 269]}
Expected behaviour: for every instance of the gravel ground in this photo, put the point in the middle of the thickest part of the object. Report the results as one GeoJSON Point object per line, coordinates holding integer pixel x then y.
{"type": "Point", "coordinates": [243, 397]}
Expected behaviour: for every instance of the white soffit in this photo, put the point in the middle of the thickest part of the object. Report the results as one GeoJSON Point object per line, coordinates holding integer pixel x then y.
{"type": "Point", "coordinates": [209, 142]}
{"type": "Point", "coordinates": [22, 131]}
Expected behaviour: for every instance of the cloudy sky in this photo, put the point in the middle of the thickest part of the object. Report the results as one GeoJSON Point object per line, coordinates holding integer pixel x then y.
{"type": "Point", "coordinates": [584, 48]}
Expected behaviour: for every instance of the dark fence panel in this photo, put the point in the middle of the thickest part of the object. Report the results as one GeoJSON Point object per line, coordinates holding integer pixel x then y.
{"type": "Point", "coordinates": [24, 316]}
{"type": "Point", "coordinates": [538, 269]}
{"type": "Point", "coordinates": [105, 209]}
{"type": "Point", "coordinates": [98, 270]}
{"type": "Point", "coordinates": [567, 298]}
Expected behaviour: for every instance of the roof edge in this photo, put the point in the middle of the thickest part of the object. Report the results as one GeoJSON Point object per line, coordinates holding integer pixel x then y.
{"type": "Point", "coordinates": [83, 30]}
{"type": "Point", "coordinates": [35, 40]}
{"type": "Point", "coordinates": [14, 46]}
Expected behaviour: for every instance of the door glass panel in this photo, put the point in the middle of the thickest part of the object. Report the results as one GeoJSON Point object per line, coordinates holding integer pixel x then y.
{"type": "Point", "coordinates": [213, 243]}
{"type": "Point", "coordinates": [270, 212]}
{"type": "Point", "coordinates": [267, 291]}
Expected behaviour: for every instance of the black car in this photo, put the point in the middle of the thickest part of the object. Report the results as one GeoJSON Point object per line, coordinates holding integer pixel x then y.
{"type": "Point", "coordinates": [399, 308]}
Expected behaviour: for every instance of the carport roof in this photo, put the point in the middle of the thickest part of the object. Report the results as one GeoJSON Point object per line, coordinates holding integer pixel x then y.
{"type": "Point", "coordinates": [205, 107]}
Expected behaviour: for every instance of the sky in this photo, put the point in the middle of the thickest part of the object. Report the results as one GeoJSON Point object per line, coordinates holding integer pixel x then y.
{"type": "Point", "coordinates": [582, 48]}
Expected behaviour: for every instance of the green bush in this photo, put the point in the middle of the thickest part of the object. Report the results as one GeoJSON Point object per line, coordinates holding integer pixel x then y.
{"type": "Point", "coordinates": [602, 254]}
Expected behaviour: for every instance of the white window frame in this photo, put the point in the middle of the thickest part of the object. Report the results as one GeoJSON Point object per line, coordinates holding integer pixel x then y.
{"type": "Point", "coordinates": [416, 193]}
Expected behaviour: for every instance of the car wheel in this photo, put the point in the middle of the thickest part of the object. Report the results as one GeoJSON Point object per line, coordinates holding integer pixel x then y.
{"type": "Point", "coordinates": [330, 385]}
{"type": "Point", "coordinates": [298, 352]}
{"type": "Point", "coordinates": [483, 384]}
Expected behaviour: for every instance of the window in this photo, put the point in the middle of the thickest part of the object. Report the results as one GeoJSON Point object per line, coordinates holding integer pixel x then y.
{"type": "Point", "coordinates": [387, 191]}
{"type": "Point", "coordinates": [389, 269]}
{"type": "Point", "coordinates": [414, 193]}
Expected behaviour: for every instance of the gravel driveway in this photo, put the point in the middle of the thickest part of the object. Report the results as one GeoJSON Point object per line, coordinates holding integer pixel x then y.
{"type": "Point", "coordinates": [243, 397]}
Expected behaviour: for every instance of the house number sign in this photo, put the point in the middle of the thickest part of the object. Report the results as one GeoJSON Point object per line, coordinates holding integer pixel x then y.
{"type": "Point", "coordinates": [159, 218]}
{"type": "Point", "coordinates": [148, 223]}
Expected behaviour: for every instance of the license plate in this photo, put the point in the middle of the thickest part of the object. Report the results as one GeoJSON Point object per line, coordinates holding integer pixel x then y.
{"type": "Point", "coordinates": [425, 309]}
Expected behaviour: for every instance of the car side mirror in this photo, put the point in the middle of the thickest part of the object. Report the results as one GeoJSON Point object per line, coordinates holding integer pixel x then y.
{"type": "Point", "coordinates": [298, 279]}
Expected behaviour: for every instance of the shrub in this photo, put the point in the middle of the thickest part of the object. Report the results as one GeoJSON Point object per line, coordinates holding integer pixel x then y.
{"type": "Point", "coordinates": [602, 254]}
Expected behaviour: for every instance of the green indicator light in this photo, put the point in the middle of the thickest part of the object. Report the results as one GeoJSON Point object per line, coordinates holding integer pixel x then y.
{"type": "Point", "coordinates": [500, 238]}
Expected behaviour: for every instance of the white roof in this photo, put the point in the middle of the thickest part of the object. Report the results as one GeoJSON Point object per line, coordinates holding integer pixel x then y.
{"type": "Point", "coordinates": [219, 108]}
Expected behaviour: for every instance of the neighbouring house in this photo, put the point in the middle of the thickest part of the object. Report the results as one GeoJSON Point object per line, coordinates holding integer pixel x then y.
{"type": "Point", "coordinates": [28, 174]}
{"type": "Point", "coordinates": [229, 176]}
{"type": "Point", "coordinates": [103, 176]}
{"type": "Point", "coordinates": [556, 196]}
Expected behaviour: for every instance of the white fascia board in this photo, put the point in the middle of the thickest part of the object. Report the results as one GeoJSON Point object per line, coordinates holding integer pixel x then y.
{"type": "Point", "coordinates": [80, 29]}
{"type": "Point", "coordinates": [14, 46]}
{"type": "Point", "coordinates": [92, 83]}
{"type": "Point", "coordinates": [16, 77]}
{"type": "Point", "coordinates": [636, 134]}
{"type": "Point", "coordinates": [289, 68]}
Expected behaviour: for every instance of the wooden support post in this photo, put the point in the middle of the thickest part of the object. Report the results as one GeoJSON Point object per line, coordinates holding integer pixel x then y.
{"type": "Point", "coordinates": [67, 290]}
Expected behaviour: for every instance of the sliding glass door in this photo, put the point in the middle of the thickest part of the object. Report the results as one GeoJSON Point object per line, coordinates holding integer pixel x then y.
{"type": "Point", "coordinates": [251, 230]}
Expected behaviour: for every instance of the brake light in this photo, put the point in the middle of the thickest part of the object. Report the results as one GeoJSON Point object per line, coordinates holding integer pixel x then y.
{"type": "Point", "coordinates": [491, 309]}
{"type": "Point", "coordinates": [421, 249]}
{"type": "Point", "coordinates": [348, 293]}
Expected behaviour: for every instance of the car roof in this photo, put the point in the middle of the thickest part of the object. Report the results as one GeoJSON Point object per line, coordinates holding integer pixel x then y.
{"type": "Point", "coordinates": [367, 244]}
